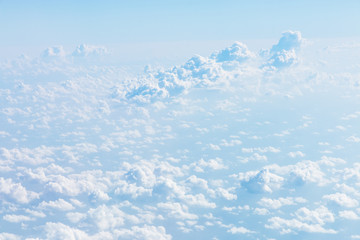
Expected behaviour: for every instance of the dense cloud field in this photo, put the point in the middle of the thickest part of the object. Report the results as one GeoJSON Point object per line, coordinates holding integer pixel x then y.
{"type": "Point", "coordinates": [235, 145]}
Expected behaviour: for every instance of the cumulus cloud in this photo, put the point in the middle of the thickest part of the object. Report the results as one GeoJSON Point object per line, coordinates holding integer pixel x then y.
{"type": "Point", "coordinates": [58, 231]}
{"type": "Point", "coordinates": [177, 210]}
{"type": "Point", "coordinates": [17, 218]}
{"type": "Point", "coordinates": [9, 236]}
{"type": "Point", "coordinates": [353, 139]}
{"type": "Point", "coordinates": [283, 54]}
{"type": "Point", "coordinates": [214, 164]}
{"type": "Point", "coordinates": [107, 217]}
{"type": "Point", "coordinates": [16, 191]}
{"type": "Point", "coordinates": [278, 203]}
{"type": "Point", "coordinates": [289, 40]}
{"type": "Point", "coordinates": [306, 220]}
{"type": "Point", "coordinates": [237, 52]}
{"type": "Point", "coordinates": [301, 173]}
{"type": "Point", "coordinates": [261, 182]}
{"type": "Point", "coordinates": [237, 230]}
{"type": "Point", "coordinates": [56, 52]}
{"type": "Point", "coordinates": [342, 199]}
{"type": "Point", "coordinates": [293, 225]}
{"type": "Point", "coordinates": [146, 232]}
{"type": "Point", "coordinates": [34, 156]}
{"type": "Point", "coordinates": [320, 215]}
{"type": "Point", "coordinates": [85, 50]}
{"type": "Point", "coordinates": [350, 215]}
{"type": "Point", "coordinates": [59, 204]}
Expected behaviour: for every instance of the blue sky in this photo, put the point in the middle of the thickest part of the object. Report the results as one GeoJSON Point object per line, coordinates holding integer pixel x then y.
{"type": "Point", "coordinates": [32, 23]}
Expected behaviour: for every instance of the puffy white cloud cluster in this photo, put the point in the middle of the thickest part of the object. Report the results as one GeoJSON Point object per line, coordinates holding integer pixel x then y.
{"type": "Point", "coordinates": [284, 53]}
{"type": "Point", "coordinates": [16, 191]}
{"type": "Point", "coordinates": [237, 52]}
{"type": "Point", "coordinates": [85, 50]}
{"type": "Point", "coordinates": [218, 69]}
{"type": "Point", "coordinates": [306, 220]}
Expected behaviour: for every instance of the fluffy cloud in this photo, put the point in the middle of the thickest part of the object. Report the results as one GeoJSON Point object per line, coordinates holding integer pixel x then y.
{"type": "Point", "coordinates": [55, 52]}
{"type": "Point", "coordinates": [16, 191]}
{"type": "Point", "coordinates": [289, 40]}
{"type": "Point", "coordinates": [9, 236]}
{"type": "Point", "coordinates": [241, 230]}
{"type": "Point", "coordinates": [146, 232]}
{"type": "Point", "coordinates": [107, 217]}
{"type": "Point", "coordinates": [59, 204]}
{"type": "Point", "coordinates": [85, 50]}
{"type": "Point", "coordinates": [342, 199]}
{"type": "Point", "coordinates": [278, 203]}
{"type": "Point", "coordinates": [17, 218]}
{"type": "Point", "coordinates": [177, 210]}
{"type": "Point", "coordinates": [262, 181]}
{"type": "Point", "coordinates": [320, 215]}
{"type": "Point", "coordinates": [283, 54]}
{"type": "Point", "coordinates": [294, 225]}
{"type": "Point", "coordinates": [306, 220]}
{"type": "Point", "coordinates": [58, 231]}
{"type": "Point", "coordinates": [34, 156]}
{"type": "Point", "coordinates": [237, 52]}
{"type": "Point", "coordinates": [350, 215]}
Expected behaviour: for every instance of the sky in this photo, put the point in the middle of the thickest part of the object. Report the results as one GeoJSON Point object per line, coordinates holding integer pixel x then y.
{"type": "Point", "coordinates": [29, 26]}
{"type": "Point", "coordinates": [172, 120]}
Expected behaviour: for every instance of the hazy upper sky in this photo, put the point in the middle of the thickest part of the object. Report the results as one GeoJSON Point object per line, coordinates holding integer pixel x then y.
{"type": "Point", "coordinates": [34, 23]}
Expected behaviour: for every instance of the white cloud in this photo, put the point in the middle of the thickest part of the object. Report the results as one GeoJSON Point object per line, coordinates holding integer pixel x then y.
{"type": "Point", "coordinates": [289, 40]}
{"type": "Point", "coordinates": [75, 217]}
{"type": "Point", "coordinates": [353, 139]}
{"type": "Point", "coordinates": [36, 156]}
{"type": "Point", "coordinates": [59, 231]}
{"type": "Point", "coordinates": [262, 150]}
{"type": "Point", "coordinates": [143, 233]}
{"type": "Point", "coordinates": [54, 52]}
{"type": "Point", "coordinates": [16, 191]}
{"type": "Point", "coordinates": [320, 215]}
{"type": "Point", "coordinates": [37, 214]}
{"type": "Point", "coordinates": [17, 218]}
{"type": "Point", "coordinates": [237, 52]}
{"type": "Point", "coordinates": [177, 210]}
{"type": "Point", "coordinates": [214, 164]}
{"type": "Point", "coordinates": [9, 236]}
{"type": "Point", "coordinates": [262, 181]}
{"type": "Point", "coordinates": [198, 200]}
{"type": "Point", "coordinates": [106, 217]}
{"type": "Point", "coordinates": [283, 54]}
{"type": "Point", "coordinates": [296, 154]}
{"type": "Point", "coordinates": [283, 59]}
{"type": "Point", "coordinates": [331, 161]}
{"type": "Point", "coordinates": [293, 225]}
{"type": "Point", "coordinates": [350, 215]}
{"type": "Point", "coordinates": [306, 220]}
{"type": "Point", "coordinates": [241, 230]}
{"type": "Point", "coordinates": [59, 204]}
{"type": "Point", "coordinates": [342, 200]}
{"type": "Point", "coordinates": [301, 173]}
{"type": "Point", "coordinates": [261, 211]}
{"type": "Point", "coordinates": [280, 202]}
{"type": "Point", "coordinates": [85, 50]}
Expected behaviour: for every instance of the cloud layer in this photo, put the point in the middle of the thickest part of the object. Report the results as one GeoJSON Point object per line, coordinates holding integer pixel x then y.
{"type": "Point", "coordinates": [235, 145]}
